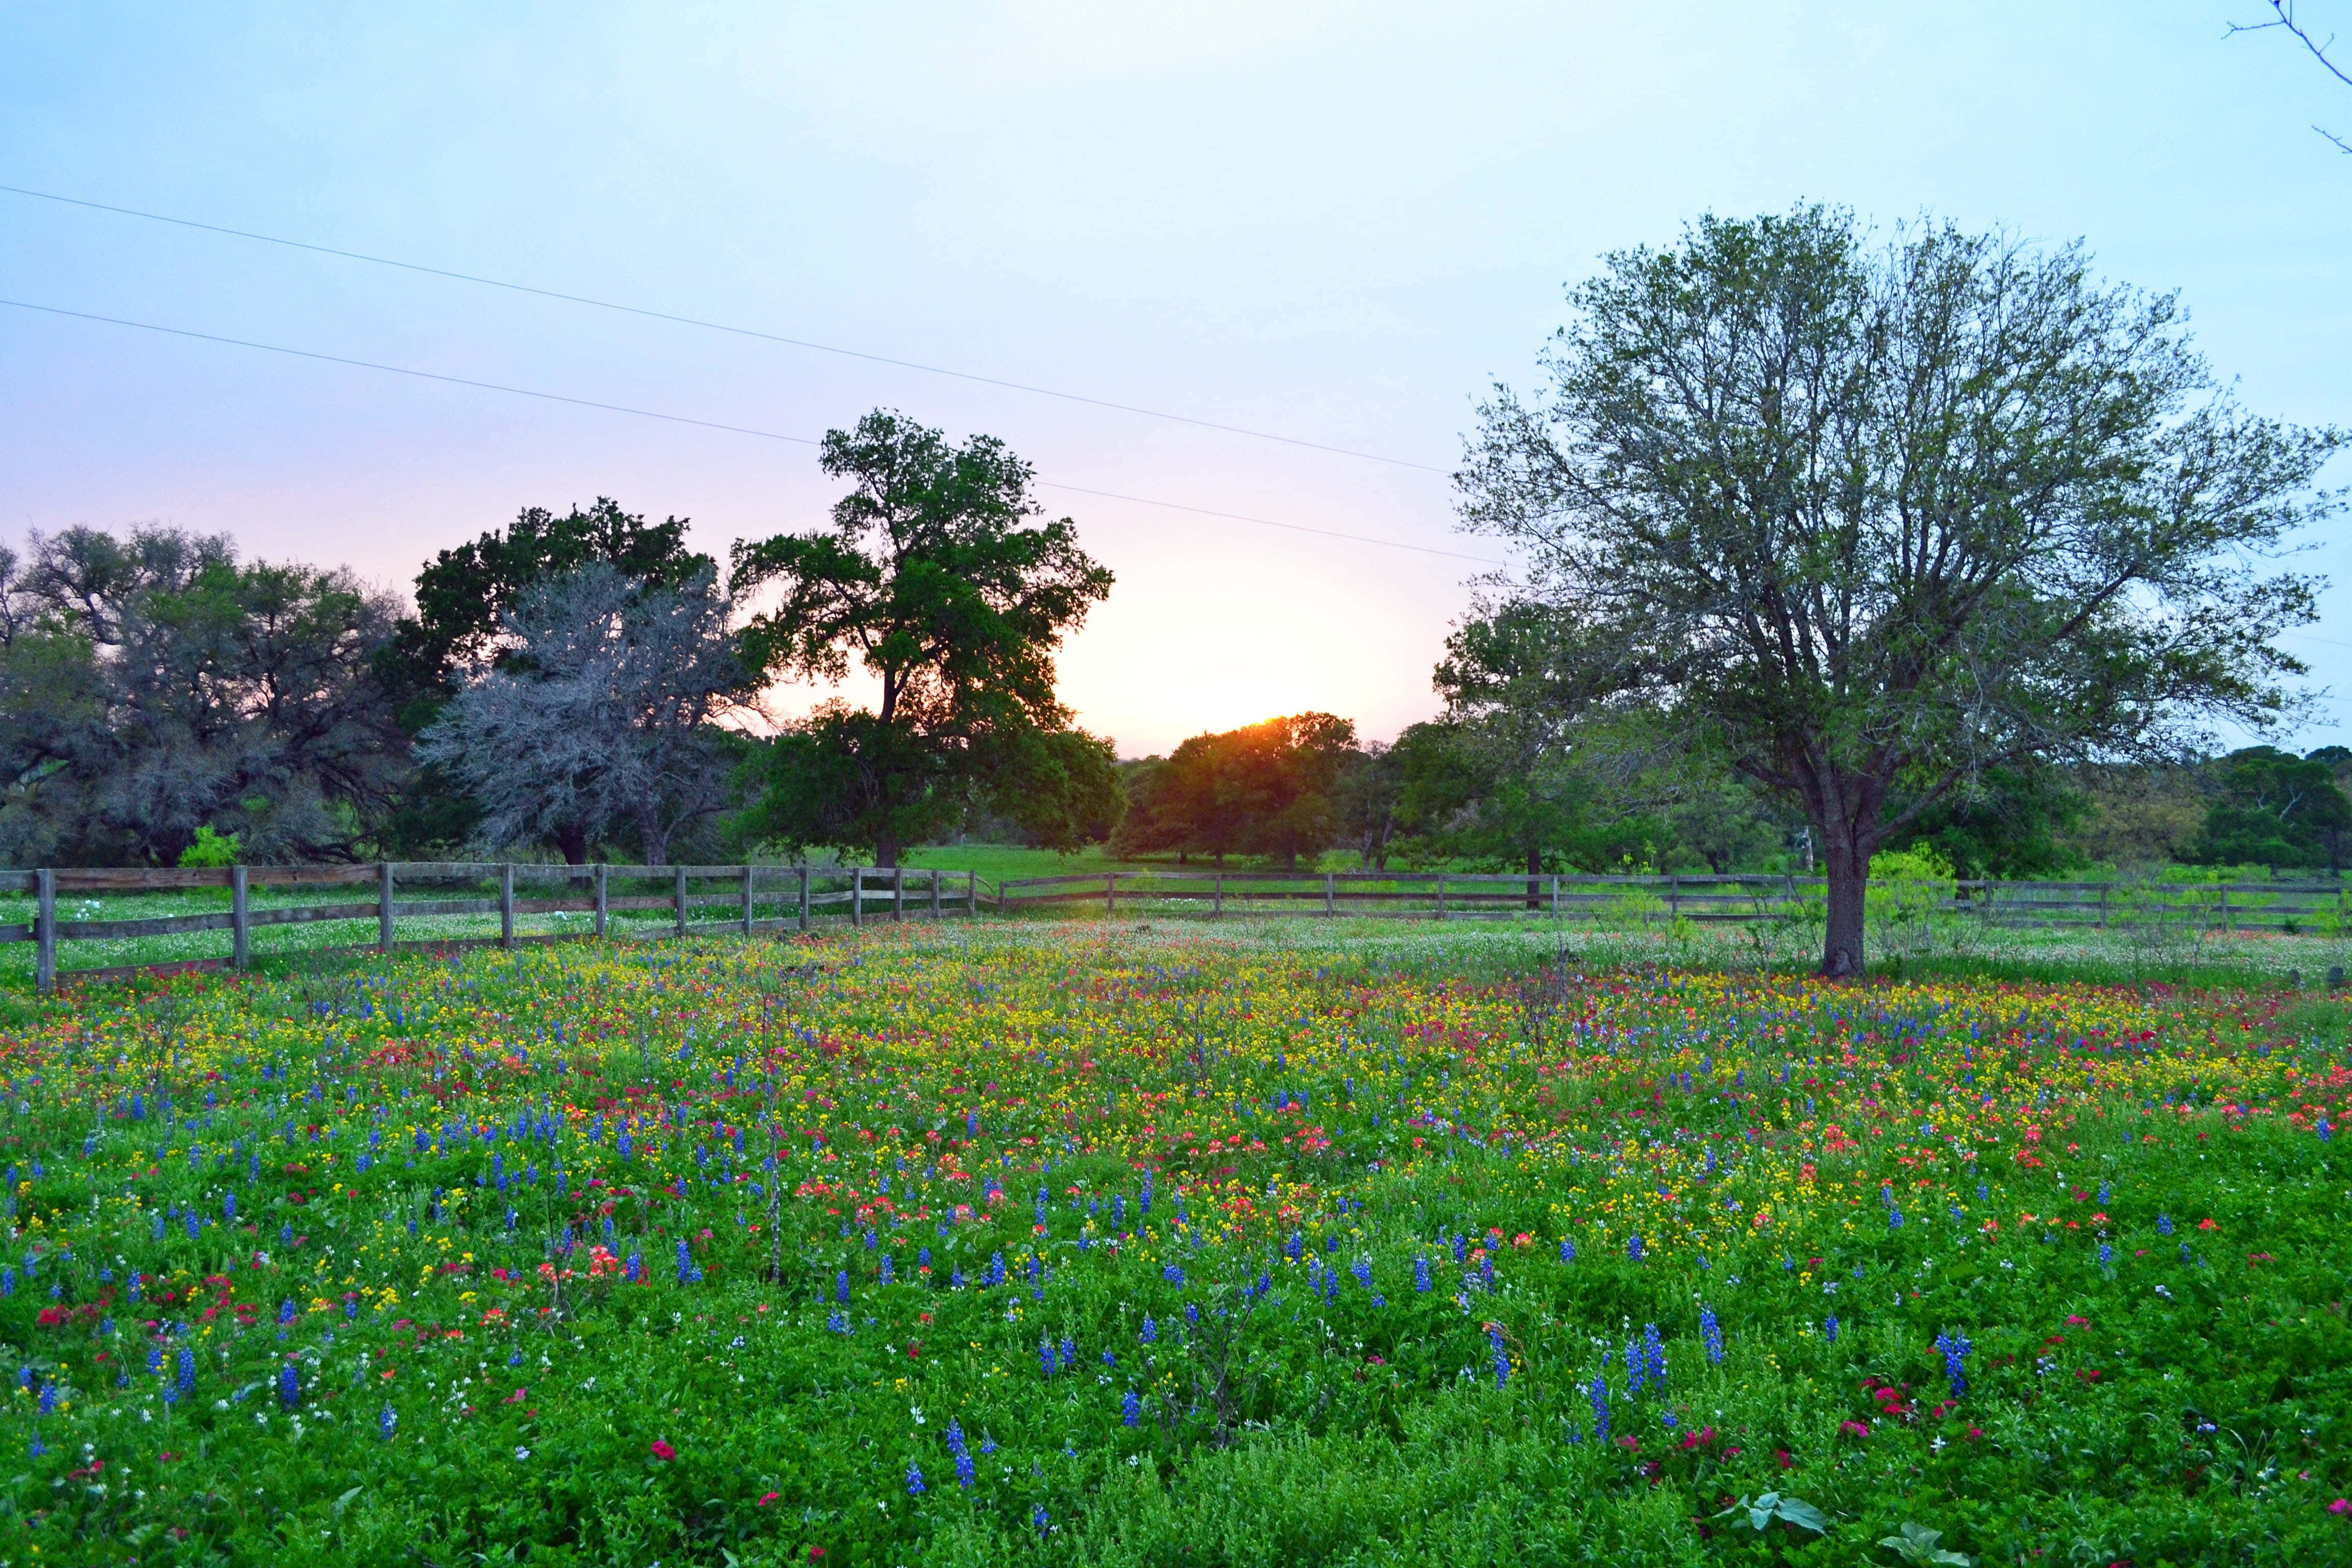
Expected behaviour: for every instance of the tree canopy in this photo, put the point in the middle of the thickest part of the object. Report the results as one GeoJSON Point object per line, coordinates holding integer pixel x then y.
{"type": "Point", "coordinates": [1879, 518]}
{"type": "Point", "coordinates": [153, 685]}
{"type": "Point", "coordinates": [934, 580]}
{"type": "Point", "coordinates": [1271, 789]}
{"type": "Point", "coordinates": [605, 714]}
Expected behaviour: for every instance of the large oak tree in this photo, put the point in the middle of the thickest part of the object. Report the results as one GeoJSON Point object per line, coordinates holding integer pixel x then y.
{"type": "Point", "coordinates": [934, 580]}
{"type": "Point", "coordinates": [1879, 518]}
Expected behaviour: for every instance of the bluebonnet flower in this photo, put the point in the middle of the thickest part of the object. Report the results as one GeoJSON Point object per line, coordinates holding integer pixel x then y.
{"type": "Point", "coordinates": [686, 1263]}
{"type": "Point", "coordinates": [840, 1285]}
{"type": "Point", "coordinates": [1037, 1519]}
{"type": "Point", "coordinates": [1894, 1220]}
{"type": "Point", "coordinates": [914, 1487]}
{"type": "Point", "coordinates": [285, 1311]}
{"type": "Point", "coordinates": [1502, 1355]}
{"type": "Point", "coordinates": [187, 1370]}
{"type": "Point", "coordinates": [1633, 1366]}
{"type": "Point", "coordinates": [1151, 1329]}
{"type": "Point", "coordinates": [1173, 1274]}
{"type": "Point", "coordinates": [1461, 1248]}
{"type": "Point", "coordinates": [1712, 1333]}
{"type": "Point", "coordinates": [1567, 1250]}
{"type": "Point", "coordinates": [1131, 1409]}
{"type": "Point", "coordinates": [1829, 1328]}
{"type": "Point", "coordinates": [987, 1443]}
{"type": "Point", "coordinates": [1045, 1354]}
{"type": "Point", "coordinates": [1599, 1396]}
{"type": "Point", "coordinates": [837, 1321]}
{"type": "Point", "coordinates": [1069, 1351]}
{"type": "Point", "coordinates": [1633, 1248]}
{"type": "Point", "coordinates": [1421, 1274]}
{"type": "Point", "coordinates": [385, 1422]}
{"type": "Point", "coordinates": [2164, 1225]}
{"type": "Point", "coordinates": [1956, 1348]}
{"type": "Point", "coordinates": [1655, 1354]}
{"type": "Point", "coordinates": [2107, 1255]}
{"type": "Point", "coordinates": [290, 1386]}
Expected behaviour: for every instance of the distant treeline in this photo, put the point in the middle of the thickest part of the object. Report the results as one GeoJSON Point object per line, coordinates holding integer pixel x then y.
{"type": "Point", "coordinates": [1449, 794]}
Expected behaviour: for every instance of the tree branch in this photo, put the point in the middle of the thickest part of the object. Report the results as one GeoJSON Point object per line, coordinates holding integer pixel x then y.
{"type": "Point", "coordinates": [2284, 17]}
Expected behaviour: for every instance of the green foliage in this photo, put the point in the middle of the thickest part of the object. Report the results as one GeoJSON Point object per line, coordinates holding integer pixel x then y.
{"type": "Point", "coordinates": [2139, 1385]}
{"type": "Point", "coordinates": [2275, 809]}
{"type": "Point", "coordinates": [210, 848]}
{"type": "Point", "coordinates": [2014, 824]}
{"type": "Point", "coordinates": [1747, 488]}
{"type": "Point", "coordinates": [1273, 789]}
{"type": "Point", "coordinates": [465, 594]}
{"type": "Point", "coordinates": [934, 582]}
{"type": "Point", "coordinates": [1766, 1507]}
{"type": "Point", "coordinates": [153, 684]}
{"type": "Point", "coordinates": [1918, 1546]}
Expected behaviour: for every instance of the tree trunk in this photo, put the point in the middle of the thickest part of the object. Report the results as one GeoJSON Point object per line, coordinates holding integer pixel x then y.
{"type": "Point", "coordinates": [1535, 871]}
{"type": "Point", "coordinates": [572, 840]}
{"type": "Point", "coordinates": [1848, 885]}
{"type": "Point", "coordinates": [885, 850]}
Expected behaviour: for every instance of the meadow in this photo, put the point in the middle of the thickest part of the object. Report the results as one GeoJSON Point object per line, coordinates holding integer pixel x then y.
{"type": "Point", "coordinates": [1285, 1244]}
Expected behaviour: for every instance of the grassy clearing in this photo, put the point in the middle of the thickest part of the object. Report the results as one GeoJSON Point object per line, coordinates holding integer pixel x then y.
{"type": "Point", "coordinates": [1162, 1244]}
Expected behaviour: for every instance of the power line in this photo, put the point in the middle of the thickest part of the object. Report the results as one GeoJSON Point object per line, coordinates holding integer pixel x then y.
{"type": "Point", "coordinates": [724, 327]}
{"type": "Point", "coordinates": [702, 424]}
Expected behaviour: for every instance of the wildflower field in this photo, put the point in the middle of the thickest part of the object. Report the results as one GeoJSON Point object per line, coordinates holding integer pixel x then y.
{"type": "Point", "coordinates": [1078, 1245]}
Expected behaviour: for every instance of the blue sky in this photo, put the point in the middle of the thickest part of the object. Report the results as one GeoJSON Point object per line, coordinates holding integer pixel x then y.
{"type": "Point", "coordinates": [1338, 222]}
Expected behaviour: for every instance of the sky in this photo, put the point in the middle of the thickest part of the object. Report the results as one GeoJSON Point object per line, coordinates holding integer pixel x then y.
{"type": "Point", "coordinates": [1335, 223]}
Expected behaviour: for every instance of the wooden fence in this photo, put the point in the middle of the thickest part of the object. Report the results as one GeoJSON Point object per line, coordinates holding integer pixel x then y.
{"type": "Point", "coordinates": [1449, 895]}
{"type": "Point", "coordinates": [796, 894]}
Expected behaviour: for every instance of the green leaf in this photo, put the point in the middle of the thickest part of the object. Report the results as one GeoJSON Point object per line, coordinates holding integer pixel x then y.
{"type": "Point", "coordinates": [344, 1501]}
{"type": "Point", "coordinates": [1803, 1514]}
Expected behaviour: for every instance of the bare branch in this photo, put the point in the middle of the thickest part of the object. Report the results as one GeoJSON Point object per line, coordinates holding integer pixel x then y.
{"type": "Point", "coordinates": [2283, 18]}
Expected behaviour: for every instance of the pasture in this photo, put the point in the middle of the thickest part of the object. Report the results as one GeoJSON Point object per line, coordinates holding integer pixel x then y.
{"type": "Point", "coordinates": [1087, 1243]}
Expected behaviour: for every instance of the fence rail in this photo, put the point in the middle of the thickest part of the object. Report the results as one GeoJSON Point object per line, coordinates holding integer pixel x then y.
{"type": "Point", "coordinates": [796, 894]}
{"type": "Point", "coordinates": [1452, 895]}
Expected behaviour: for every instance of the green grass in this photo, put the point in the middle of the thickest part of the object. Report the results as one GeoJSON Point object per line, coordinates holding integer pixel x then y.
{"type": "Point", "coordinates": [1344, 1328]}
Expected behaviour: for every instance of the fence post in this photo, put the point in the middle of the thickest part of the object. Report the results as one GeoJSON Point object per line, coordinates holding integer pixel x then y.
{"type": "Point", "coordinates": [1110, 894]}
{"type": "Point", "coordinates": [600, 869]}
{"type": "Point", "coordinates": [240, 926]}
{"type": "Point", "coordinates": [857, 895]}
{"type": "Point", "coordinates": [2225, 907]}
{"type": "Point", "coordinates": [45, 932]}
{"type": "Point", "coordinates": [1441, 895]}
{"type": "Point", "coordinates": [506, 903]}
{"type": "Point", "coordinates": [804, 903]}
{"type": "Point", "coordinates": [746, 901]}
{"type": "Point", "coordinates": [971, 894]}
{"type": "Point", "coordinates": [935, 895]}
{"type": "Point", "coordinates": [679, 897]}
{"type": "Point", "coordinates": [1554, 896]}
{"type": "Point", "coordinates": [1218, 910]}
{"type": "Point", "coordinates": [384, 907]}
{"type": "Point", "coordinates": [899, 892]}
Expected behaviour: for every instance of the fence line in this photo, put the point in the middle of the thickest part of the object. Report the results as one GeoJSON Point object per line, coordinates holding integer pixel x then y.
{"type": "Point", "coordinates": [853, 891]}
{"type": "Point", "coordinates": [1451, 895]}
